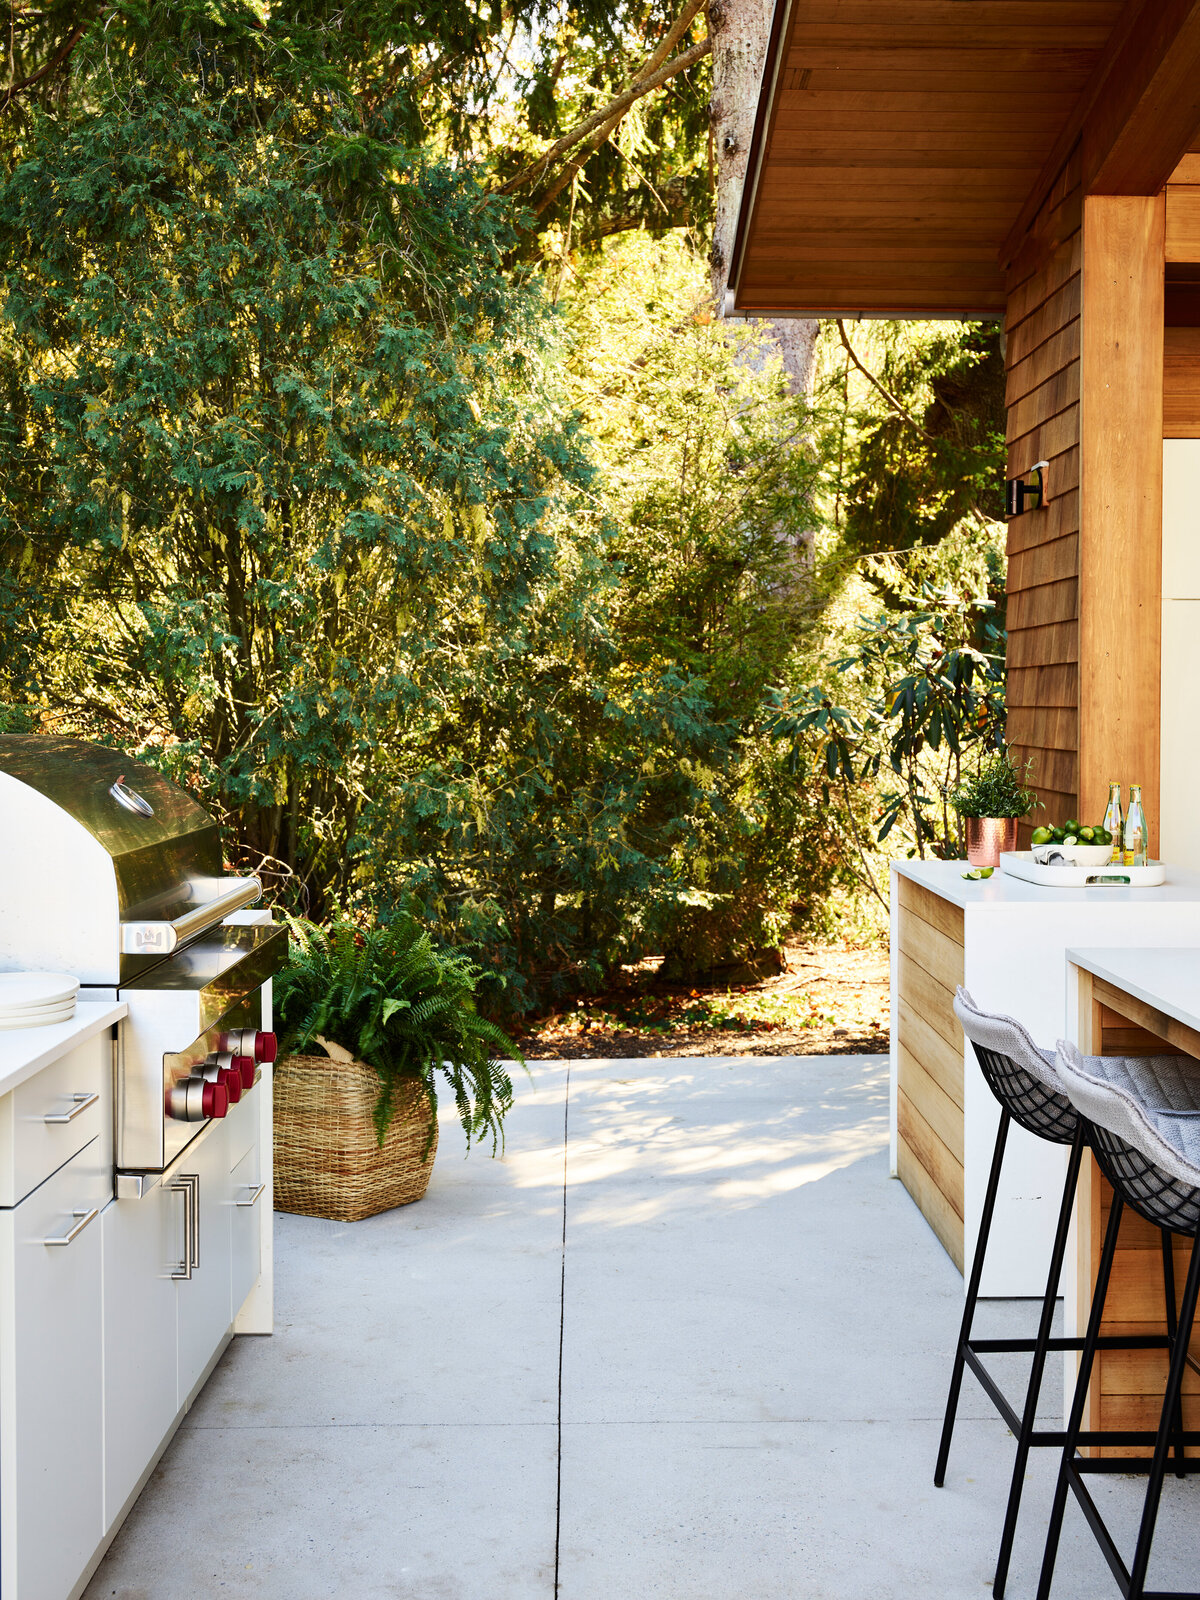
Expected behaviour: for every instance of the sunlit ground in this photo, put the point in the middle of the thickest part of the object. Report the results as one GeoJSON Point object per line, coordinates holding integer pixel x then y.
{"type": "Point", "coordinates": [686, 1339]}
{"type": "Point", "coordinates": [826, 1000]}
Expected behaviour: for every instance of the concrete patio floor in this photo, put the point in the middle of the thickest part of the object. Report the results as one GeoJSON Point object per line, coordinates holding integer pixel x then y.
{"type": "Point", "coordinates": [686, 1340]}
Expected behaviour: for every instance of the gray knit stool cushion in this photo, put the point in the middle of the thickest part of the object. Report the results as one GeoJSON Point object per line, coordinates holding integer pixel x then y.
{"type": "Point", "coordinates": [1005, 1036]}
{"type": "Point", "coordinates": [1019, 1073]}
{"type": "Point", "coordinates": [1150, 1102]}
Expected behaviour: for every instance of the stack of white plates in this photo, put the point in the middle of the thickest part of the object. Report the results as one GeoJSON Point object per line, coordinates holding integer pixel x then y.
{"type": "Point", "coordinates": [36, 999]}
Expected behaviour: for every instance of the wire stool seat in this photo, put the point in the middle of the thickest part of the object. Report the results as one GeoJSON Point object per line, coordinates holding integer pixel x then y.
{"type": "Point", "coordinates": [1023, 1080]}
{"type": "Point", "coordinates": [1168, 1201]}
{"type": "Point", "coordinates": [1030, 1103]}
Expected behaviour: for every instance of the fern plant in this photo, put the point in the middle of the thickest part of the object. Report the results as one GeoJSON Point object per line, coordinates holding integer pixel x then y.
{"type": "Point", "coordinates": [401, 1006]}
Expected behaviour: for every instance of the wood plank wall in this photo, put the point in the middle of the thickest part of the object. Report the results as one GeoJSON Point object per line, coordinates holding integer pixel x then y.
{"type": "Point", "coordinates": [1084, 357]}
{"type": "Point", "coordinates": [929, 1049]}
{"type": "Point", "coordinates": [1120, 507]}
{"type": "Point", "coordinates": [1042, 356]}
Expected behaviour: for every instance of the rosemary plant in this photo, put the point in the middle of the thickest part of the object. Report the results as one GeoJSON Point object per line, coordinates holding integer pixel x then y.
{"type": "Point", "coordinates": [996, 789]}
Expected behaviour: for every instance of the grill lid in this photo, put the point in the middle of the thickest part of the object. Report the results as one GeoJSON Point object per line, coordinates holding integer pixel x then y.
{"type": "Point", "coordinates": [149, 826]}
{"type": "Point", "coordinates": [154, 883]}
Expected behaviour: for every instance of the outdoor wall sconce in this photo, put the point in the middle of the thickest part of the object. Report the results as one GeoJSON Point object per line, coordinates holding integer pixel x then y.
{"type": "Point", "coordinates": [1021, 496]}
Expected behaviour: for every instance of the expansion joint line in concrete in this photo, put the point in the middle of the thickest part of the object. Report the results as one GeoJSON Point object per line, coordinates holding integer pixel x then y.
{"type": "Point", "coordinates": [562, 1310]}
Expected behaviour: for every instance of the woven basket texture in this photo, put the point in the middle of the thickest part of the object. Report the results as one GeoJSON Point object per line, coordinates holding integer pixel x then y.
{"type": "Point", "coordinates": [328, 1161]}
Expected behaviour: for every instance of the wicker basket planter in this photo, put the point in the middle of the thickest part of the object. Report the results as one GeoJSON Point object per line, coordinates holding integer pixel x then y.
{"type": "Point", "coordinates": [328, 1161]}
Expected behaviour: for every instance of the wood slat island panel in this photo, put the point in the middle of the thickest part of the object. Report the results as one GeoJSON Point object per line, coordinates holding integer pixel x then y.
{"type": "Point", "coordinates": [929, 1049]}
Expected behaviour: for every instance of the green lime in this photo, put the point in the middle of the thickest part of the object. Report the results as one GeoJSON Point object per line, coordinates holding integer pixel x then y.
{"type": "Point", "coordinates": [1042, 835]}
{"type": "Point", "coordinates": [1087, 835]}
{"type": "Point", "coordinates": [1070, 839]}
{"type": "Point", "coordinates": [979, 872]}
{"type": "Point", "coordinates": [1071, 827]}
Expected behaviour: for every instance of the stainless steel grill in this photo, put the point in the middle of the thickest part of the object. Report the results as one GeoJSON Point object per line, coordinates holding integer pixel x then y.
{"type": "Point", "coordinates": [113, 873]}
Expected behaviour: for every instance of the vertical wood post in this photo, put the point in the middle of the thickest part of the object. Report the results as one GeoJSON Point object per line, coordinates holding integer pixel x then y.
{"type": "Point", "coordinates": [1120, 554]}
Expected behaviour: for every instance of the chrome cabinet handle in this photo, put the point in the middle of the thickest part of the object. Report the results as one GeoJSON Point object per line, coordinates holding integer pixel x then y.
{"type": "Point", "coordinates": [83, 1102]}
{"type": "Point", "coordinates": [255, 1194]}
{"type": "Point", "coordinates": [188, 1185]}
{"type": "Point", "coordinates": [84, 1218]}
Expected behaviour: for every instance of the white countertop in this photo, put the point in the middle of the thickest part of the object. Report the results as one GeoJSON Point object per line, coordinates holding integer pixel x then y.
{"type": "Point", "coordinates": [1168, 980]}
{"type": "Point", "coordinates": [25, 1051]}
{"type": "Point", "coordinates": [945, 878]}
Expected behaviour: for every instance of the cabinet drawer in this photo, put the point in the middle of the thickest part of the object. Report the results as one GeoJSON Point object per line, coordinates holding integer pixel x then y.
{"type": "Point", "coordinates": [143, 1242]}
{"type": "Point", "coordinates": [75, 1093]}
{"type": "Point", "coordinates": [246, 1222]}
{"type": "Point", "coordinates": [51, 1445]}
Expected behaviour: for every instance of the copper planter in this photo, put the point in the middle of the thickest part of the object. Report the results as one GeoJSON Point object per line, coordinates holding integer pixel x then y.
{"type": "Point", "coordinates": [987, 836]}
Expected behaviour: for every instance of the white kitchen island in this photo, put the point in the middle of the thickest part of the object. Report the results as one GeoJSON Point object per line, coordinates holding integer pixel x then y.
{"type": "Point", "coordinates": [116, 1297]}
{"type": "Point", "coordinates": [1006, 941]}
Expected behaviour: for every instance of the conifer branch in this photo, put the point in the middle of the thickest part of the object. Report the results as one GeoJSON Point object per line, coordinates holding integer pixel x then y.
{"type": "Point", "coordinates": [612, 112]}
{"type": "Point", "coordinates": [56, 60]}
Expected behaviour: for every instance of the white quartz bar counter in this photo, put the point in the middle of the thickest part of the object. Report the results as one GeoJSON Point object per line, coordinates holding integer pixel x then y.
{"type": "Point", "coordinates": [25, 1051]}
{"type": "Point", "coordinates": [945, 878]}
{"type": "Point", "coordinates": [1168, 979]}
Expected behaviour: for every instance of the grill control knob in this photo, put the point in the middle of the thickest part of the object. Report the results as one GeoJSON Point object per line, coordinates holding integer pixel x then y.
{"type": "Point", "coordinates": [244, 1068]}
{"type": "Point", "coordinates": [251, 1042]}
{"type": "Point", "coordinates": [197, 1098]}
{"type": "Point", "coordinates": [221, 1067]}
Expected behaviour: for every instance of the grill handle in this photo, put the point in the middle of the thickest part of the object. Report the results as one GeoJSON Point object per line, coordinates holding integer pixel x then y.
{"type": "Point", "coordinates": [161, 938]}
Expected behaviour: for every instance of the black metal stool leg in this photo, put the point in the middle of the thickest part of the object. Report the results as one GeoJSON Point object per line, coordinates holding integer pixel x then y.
{"type": "Point", "coordinates": [964, 1334]}
{"type": "Point", "coordinates": [1036, 1371]}
{"type": "Point", "coordinates": [1168, 1261]}
{"type": "Point", "coordinates": [1171, 1402]}
{"type": "Point", "coordinates": [1075, 1425]}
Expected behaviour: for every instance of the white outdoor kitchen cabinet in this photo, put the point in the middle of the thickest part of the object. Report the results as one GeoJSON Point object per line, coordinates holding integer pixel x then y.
{"type": "Point", "coordinates": [105, 1340]}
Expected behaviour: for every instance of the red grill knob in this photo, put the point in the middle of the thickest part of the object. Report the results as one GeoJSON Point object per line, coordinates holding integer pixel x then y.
{"type": "Point", "coordinates": [266, 1047]}
{"type": "Point", "coordinates": [216, 1100]}
{"type": "Point", "coordinates": [244, 1071]}
{"type": "Point", "coordinates": [231, 1078]}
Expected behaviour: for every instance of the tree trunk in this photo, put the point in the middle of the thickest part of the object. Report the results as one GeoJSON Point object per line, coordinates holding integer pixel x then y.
{"type": "Point", "coordinates": [740, 30]}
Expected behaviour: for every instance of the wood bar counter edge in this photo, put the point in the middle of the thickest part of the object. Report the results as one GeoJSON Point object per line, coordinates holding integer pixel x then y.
{"type": "Point", "coordinates": [1128, 1002]}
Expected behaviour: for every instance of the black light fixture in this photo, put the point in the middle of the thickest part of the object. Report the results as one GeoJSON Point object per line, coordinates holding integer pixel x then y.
{"type": "Point", "coordinates": [1026, 493]}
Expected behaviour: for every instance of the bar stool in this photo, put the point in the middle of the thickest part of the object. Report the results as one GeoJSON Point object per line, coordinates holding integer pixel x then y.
{"type": "Point", "coordinates": [1142, 1120]}
{"type": "Point", "coordinates": [1023, 1078]}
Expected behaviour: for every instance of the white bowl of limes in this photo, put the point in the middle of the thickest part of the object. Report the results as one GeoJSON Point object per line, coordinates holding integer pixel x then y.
{"type": "Point", "coordinates": [1088, 855]}
{"type": "Point", "coordinates": [1078, 846]}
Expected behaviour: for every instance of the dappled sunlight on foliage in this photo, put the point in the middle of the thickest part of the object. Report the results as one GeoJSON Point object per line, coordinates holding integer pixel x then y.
{"type": "Point", "coordinates": [374, 463]}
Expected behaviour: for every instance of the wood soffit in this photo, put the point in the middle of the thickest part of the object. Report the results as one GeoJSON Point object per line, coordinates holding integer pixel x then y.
{"type": "Point", "coordinates": [905, 149]}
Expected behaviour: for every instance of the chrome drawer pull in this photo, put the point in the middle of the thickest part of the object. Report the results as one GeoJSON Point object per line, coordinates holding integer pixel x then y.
{"type": "Point", "coordinates": [83, 1101]}
{"type": "Point", "coordinates": [188, 1185]}
{"type": "Point", "coordinates": [254, 1194]}
{"type": "Point", "coordinates": [84, 1218]}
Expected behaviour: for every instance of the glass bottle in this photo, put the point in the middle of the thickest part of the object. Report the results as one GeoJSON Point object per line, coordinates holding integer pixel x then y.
{"type": "Point", "coordinates": [1114, 822]}
{"type": "Point", "coordinates": [1136, 844]}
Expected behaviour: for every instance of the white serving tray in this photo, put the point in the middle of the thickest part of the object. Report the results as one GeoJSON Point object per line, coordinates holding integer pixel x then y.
{"type": "Point", "coordinates": [1020, 864]}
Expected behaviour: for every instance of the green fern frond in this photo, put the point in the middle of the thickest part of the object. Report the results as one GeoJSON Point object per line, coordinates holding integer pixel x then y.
{"type": "Point", "coordinates": [396, 1002]}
